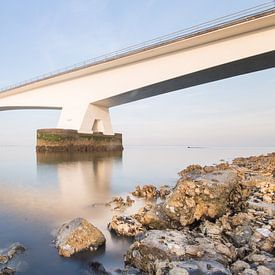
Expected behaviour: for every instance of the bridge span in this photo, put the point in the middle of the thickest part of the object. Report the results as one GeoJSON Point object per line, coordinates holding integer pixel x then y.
{"type": "Point", "coordinates": [227, 47]}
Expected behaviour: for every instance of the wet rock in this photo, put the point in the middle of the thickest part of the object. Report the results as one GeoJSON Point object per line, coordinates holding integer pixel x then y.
{"type": "Point", "coordinates": [7, 271]}
{"type": "Point", "coordinates": [249, 271]}
{"type": "Point", "coordinates": [164, 191]}
{"type": "Point", "coordinates": [125, 226]}
{"type": "Point", "coordinates": [241, 219]}
{"type": "Point", "coordinates": [8, 253]}
{"type": "Point", "coordinates": [132, 271]}
{"type": "Point", "coordinates": [207, 267]}
{"type": "Point", "coordinates": [173, 245]}
{"type": "Point", "coordinates": [76, 236]}
{"type": "Point", "coordinates": [146, 191]}
{"type": "Point", "coordinates": [263, 239]}
{"type": "Point", "coordinates": [260, 258]}
{"type": "Point", "coordinates": [241, 235]}
{"type": "Point", "coordinates": [4, 259]}
{"type": "Point", "coordinates": [239, 266]}
{"type": "Point", "coordinates": [262, 270]}
{"type": "Point", "coordinates": [152, 217]}
{"type": "Point", "coordinates": [96, 268]}
{"type": "Point", "coordinates": [118, 203]}
{"type": "Point", "coordinates": [211, 229]}
{"type": "Point", "coordinates": [200, 195]}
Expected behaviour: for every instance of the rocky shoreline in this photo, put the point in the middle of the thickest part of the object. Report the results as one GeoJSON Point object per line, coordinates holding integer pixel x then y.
{"type": "Point", "coordinates": [216, 220]}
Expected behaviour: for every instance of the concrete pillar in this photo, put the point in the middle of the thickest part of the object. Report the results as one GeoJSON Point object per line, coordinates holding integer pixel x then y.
{"type": "Point", "coordinates": [86, 119]}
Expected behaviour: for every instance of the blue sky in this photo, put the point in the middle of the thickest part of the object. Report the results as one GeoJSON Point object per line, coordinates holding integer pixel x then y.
{"type": "Point", "coordinates": [41, 36]}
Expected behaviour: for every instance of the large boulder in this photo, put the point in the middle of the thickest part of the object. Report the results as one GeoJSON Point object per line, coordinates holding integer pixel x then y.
{"type": "Point", "coordinates": [202, 193]}
{"type": "Point", "coordinates": [173, 245]}
{"type": "Point", "coordinates": [76, 236]}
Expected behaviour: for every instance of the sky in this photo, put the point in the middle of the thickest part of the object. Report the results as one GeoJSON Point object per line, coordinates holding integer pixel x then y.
{"type": "Point", "coordinates": [39, 36]}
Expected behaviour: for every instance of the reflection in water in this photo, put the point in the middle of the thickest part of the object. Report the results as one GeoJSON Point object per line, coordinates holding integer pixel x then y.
{"type": "Point", "coordinates": [82, 178]}
{"type": "Point", "coordinates": [64, 184]}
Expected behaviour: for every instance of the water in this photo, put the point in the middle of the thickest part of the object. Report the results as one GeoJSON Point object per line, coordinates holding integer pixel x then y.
{"type": "Point", "coordinates": [39, 192]}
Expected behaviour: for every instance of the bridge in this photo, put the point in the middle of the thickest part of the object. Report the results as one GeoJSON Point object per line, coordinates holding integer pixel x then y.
{"type": "Point", "coordinates": [233, 45]}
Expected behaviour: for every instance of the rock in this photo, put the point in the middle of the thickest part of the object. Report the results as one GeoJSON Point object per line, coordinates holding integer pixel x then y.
{"type": "Point", "coordinates": [152, 217]}
{"type": "Point", "coordinates": [120, 204]}
{"type": "Point", "coordinates": [207, 267]}
{"type": "Point", "coordinates": [211, 229]}
{"type": "Point", "coordinates": [239, 266]}
{"type": "Point", "coordinates": [200, 195]}
{"type": "Point", "coordinates": [259, 258]}
{"type": "Point", "coordinates": [249, 271]}
{"type": "Point", "coordinates": [7, 271]}
{"type": "Point", "coordinates": [173, 245]}
{"type": "Point", "coordinates": [262, 270]}
{"type": "Point", "coordinates": [263, 239]}
{"type": "Point", "coordinates": [132, 271]}
{"type": "Point", "coordinates": [8, 253]}
{"type": "Point", "coordinates": [164, 191]}
{"type": "Point", "coordinates": [96, 268]}
{"type": "Point", "coordinates": [147, 192]}
{"type": "Point", "coordinates": [125, 226]}
{"type": "Point", "coordinates": [76, 236]}
{"type": "Point", "coordinates": [4, 259]}
{"type": "Point", "coordinates": [241, 235]}
{"type": "Point", "coordinates": [241, 219]}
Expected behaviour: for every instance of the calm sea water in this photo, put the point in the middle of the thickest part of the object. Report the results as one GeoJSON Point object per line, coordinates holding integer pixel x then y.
{"type": "Point", "coordinates": [39, 192]}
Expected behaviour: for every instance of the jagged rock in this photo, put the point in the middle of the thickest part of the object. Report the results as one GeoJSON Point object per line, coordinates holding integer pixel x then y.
{"type": "Point", "coordinates": [260, 258]}
{"type": "Point", "coordinates": [8, 253]}
{"type": "Point", "coordinates": [146, 191]}
{"type": "Point", "coordinates": [241, 235]}
{"type": "Point", "coordinates": [133, 271]}
{"type": "Point", "coordinates": [96, 268]}
{"type": "Point", "coordinates": [201, 195]}
{"type": "Point", "coordinates": [249, 271]}
{"type": "Point", "coordinates": [152, 217]}
{"type": "Point", "coordinates": [76, 236]}
{"type": "Point", "coordinates": [164, 191]}
{"type": "Point", "coordinates": [125, 226]}
{"type": "Point", "coordinates": [173, 245]}
{"type": "Point", "coordinates": [7, 271]}
{"type": "Point", "coordinates": [120, 204]}
{"type": "Point", "coordinates": [239, 266]}
{"type": "Point", "coordinates": [263, 270]}
{"type": "Point", "coordinates": [206, 267]}
{"type": "Point", "coordinates": [263, 239]}
{"type": "Point", "coordinates": [211, 229]}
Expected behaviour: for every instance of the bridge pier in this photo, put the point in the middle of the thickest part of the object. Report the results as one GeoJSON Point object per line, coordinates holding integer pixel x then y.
{"type": "Point", "coordinates": [87, 119]}
{"type": "Point", "coordinates": [62, 140]}
{"type": "Point", "coordinates": [81, 128]}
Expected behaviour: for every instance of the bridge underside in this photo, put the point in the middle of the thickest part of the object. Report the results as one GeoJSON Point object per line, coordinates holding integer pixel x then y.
{"type": "Point", "coordinates": [243, 66]}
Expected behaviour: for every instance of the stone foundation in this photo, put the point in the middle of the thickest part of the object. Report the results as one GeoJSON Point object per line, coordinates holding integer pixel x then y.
{"type": "Point", "coordinates": [60, 140]}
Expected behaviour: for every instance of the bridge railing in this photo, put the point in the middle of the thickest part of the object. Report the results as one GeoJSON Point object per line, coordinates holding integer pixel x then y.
{"type": "Point", "coordinates": [244, 15]}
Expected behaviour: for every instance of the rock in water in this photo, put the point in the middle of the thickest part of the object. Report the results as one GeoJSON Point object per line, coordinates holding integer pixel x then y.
{"type": "Point", "coordinates": [173, 245]}
{"type": "Point", "coordinates": [78, 235]}
{"type": "Point", "coordinates": [199, 194]}
{"type": "Point", "coordinates": [96, 268]}
{"type": "Point", "coordinates": [8, 253]}
{"type": "Point", "coordinates": [7, 271]}
{"type": "Point", "coordinates": [125, 226]}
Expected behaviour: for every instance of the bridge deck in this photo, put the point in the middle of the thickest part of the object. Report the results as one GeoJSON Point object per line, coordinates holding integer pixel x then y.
{"type": "Point", "coordinates": [210, 26]}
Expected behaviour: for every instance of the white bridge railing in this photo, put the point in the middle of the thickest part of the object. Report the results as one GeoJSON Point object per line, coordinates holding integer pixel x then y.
{"type": "Point", "coordinates": [244, 15]}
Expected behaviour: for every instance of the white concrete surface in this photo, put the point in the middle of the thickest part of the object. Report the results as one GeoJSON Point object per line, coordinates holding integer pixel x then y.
{"type": "Point", "coordinates": [85, 95]}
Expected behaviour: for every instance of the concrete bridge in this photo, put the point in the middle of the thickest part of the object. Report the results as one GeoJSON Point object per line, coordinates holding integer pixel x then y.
{"type": "Point", "coordinates": [227, 47]}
